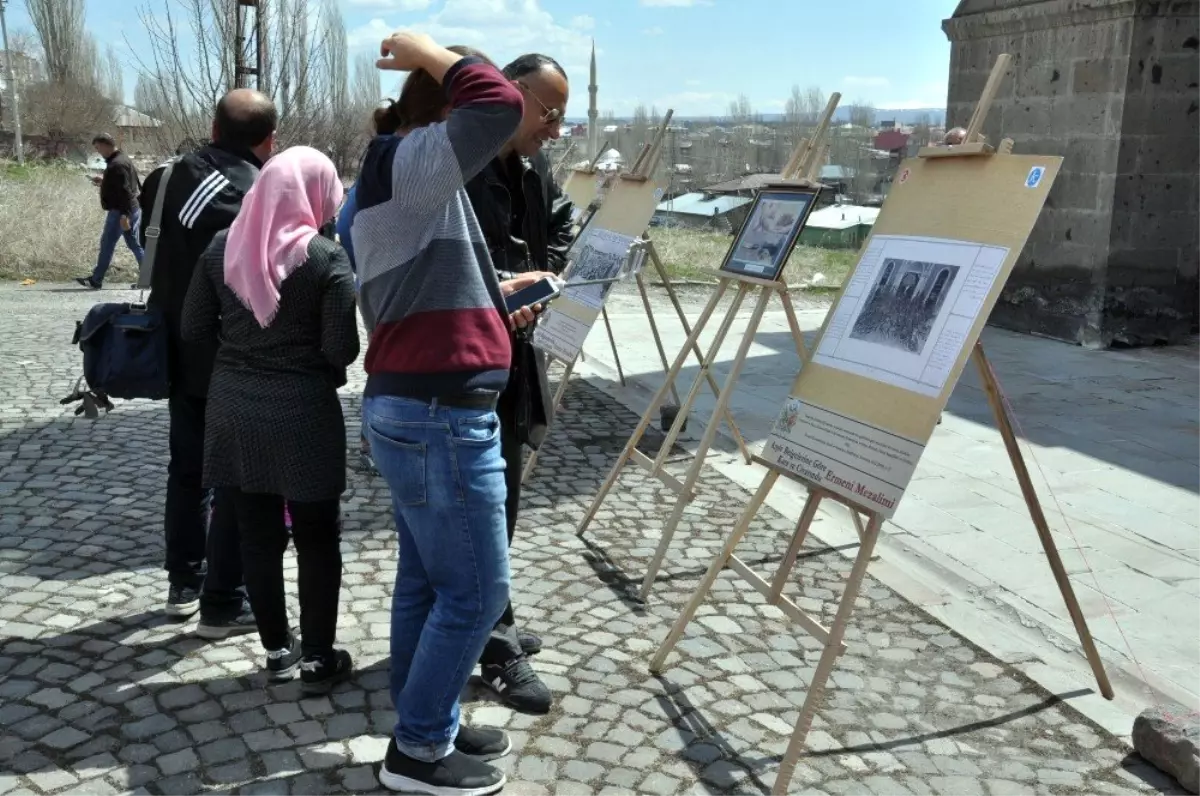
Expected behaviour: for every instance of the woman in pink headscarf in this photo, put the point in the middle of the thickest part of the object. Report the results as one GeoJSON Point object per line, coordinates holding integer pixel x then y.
{"type": "Point", "coordinates": [280, 297]}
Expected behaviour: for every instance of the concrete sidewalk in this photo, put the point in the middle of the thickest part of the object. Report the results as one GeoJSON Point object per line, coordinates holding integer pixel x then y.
{"type": "Point", "coordinates": [1111, 440]}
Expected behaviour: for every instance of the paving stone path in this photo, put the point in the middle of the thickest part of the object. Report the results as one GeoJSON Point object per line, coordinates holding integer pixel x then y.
{"type": "Point", "coordinates": [99, 694]}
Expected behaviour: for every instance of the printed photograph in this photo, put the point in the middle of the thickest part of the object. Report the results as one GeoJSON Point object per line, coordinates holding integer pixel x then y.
{"type": "Point", "coordinates": [594, 263]}
{"type": "Point", "coordinates": [904, 303]}
{"type": "Point", "coordinates": [767, 237]}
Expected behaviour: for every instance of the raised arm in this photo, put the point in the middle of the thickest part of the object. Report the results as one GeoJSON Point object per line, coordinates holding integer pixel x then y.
{"type": "Point", "coordinates": [339, 326]}
{"type": "Point", "coordinates": [431, 163]}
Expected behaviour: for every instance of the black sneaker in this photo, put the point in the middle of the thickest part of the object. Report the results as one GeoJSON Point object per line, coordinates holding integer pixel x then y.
{"type": "Point", "coordinates": [518, 685]}
{"type": "Point", "coordinates": [487, 743]}
{"type": "Point", "coordinates": [217, 629]}
{"type": "Point", "coordinates": [320, 673]}
{"type": "Point", "coordinates": [455, 775]}
{"type": "Point", "coordinates": [182, 601]}
{"type": "Point", "coordinates": [283, 663]}
{"type": "Point", "coordinates": [530, 644]}
{"type": "Point", "coordinates": [88, 282]}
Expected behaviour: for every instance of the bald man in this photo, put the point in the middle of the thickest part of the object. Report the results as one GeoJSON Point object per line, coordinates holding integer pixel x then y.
{"type": "Point", "coordinates": [203, 196]}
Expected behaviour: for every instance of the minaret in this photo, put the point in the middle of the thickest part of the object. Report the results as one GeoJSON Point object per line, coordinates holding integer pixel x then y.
{"type": "Point", "coordinates": [593, 113]}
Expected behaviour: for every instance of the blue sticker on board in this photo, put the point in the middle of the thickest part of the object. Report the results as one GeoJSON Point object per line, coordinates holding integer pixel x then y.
{"type": "Point", "coordinates": [658, 194]}
{"type": "Point", "coordinates": [1035, 176]}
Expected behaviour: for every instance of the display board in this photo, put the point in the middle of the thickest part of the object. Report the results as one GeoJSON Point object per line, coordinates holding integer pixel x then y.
{"type": "Point", "coordinates": [586, 187]}
{"type": "Point", "coordinates": [600, 252]}
{"type": "Point", "coordinates": [770, 232]}
{"type": "Point", "coordinates": [891, 350]}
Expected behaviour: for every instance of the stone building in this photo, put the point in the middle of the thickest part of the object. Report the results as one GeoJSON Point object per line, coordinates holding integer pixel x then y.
{"type": "Point", "coordinates": [1113, 86]}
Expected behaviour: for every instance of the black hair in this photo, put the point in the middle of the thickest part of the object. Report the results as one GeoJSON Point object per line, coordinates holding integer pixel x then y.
{"type": "Point", "coordinates": [104, 138]}
{"type": "Point", "coordinates": [247, 123]}
{"type": "Point", "coordinates": [422, 99]}
{"type": "Point", "coordinates": [529, 63]}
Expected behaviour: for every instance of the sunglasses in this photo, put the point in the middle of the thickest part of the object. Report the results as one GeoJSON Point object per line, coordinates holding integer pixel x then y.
{"type": "Point", "coordinates": [548, 114]}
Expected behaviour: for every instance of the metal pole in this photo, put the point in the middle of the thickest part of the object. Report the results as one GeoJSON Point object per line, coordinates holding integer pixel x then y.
{"type": "Point", "coordinates": [18, 144]}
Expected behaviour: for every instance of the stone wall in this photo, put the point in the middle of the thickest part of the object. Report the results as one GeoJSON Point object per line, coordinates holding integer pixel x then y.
{"type": "Point", "coordinates": [1111, 86]}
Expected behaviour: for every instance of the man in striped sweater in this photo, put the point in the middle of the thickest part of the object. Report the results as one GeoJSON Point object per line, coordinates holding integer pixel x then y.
{"type": "Point", "coordinates": [438, 358]}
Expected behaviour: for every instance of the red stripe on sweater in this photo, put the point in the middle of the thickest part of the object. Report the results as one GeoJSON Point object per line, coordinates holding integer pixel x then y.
{"type": "Point", "coordinates": [474, 82]}
{"type": "Point", "coordinates": [441, 341]}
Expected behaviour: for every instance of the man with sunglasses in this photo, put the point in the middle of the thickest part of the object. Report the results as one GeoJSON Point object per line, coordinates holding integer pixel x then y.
{"type": "Point", "coordinates": [526, 223]}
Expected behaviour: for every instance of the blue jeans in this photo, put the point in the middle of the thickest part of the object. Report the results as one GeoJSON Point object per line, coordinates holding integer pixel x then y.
{"type": "Point", "coordinates": [446, 475]}
{"type": "Point", "coordinates": [109, 236]}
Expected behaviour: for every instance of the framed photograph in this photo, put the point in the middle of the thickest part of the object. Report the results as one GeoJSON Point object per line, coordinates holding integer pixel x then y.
{"type": "Point", "coordinates": [765, 241]}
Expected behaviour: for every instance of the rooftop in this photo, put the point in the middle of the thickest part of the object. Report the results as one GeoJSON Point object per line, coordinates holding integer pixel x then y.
{"type": "Point", "coordinates": [702, 204]}
{"type": "Point", "coordinates": [842, 216]}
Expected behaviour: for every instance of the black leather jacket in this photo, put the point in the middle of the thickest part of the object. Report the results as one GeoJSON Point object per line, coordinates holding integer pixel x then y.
{"type": "Point", "coordinates": [547, 224]}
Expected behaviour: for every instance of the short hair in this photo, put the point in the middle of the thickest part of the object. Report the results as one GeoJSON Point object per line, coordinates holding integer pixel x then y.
{"type": "Point", "coordinates": [529, 63]}
{"type": "Point", "coordinates": [245, 123]}
{"type": "Point", "coordinates": [422, 99]}
{"type": "Point", "coordinates": [104, 138]}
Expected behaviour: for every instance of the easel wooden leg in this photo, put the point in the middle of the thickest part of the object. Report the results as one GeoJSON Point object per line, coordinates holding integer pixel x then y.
{"type": "Point", "coordinates": [793, 324]}
{"type": "Point", "coordinates": [714, 570]}
{"type": "Point", "coordinates": [816, 688]}
{"type": "Point", "coordinates": [683, 321]}
{"type": "Point", "coordinates": [558, 397]}
{"type": "Point", "coordinates": [1004, 423]}
{"type": "Point", "coordinates": [612, 341]}
{"type": "Point", "coordinates": [644, 423]}
{"type": "Point", "coordinates": [662, 353]}
{"type": "Point", "coordinates": [710, 433]}
{"type": "Point", "coordinates": [793, 552]}
{"type": "Point", "coordinates": [714, 348]}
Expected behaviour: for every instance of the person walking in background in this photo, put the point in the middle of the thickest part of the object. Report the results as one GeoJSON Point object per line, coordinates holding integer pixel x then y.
{"type": "Point", "coordinates": [437, 361]}
{"type": "Point", "coordinates": [203, 197]}
{"type": "Point", "coordinates": [281, 298]}
{"type": "Point", "coordinates": [122, 213]}
{"type": "Point", "coordinates": [526, 224]}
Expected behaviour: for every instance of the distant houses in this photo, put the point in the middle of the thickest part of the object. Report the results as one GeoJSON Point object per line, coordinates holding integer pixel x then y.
{"type": "Point", "coordinates": [703, 210]}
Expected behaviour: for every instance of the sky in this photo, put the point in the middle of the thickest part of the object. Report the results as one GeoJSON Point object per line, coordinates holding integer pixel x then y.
{"type": "Point", "coordinates": [694, 56]}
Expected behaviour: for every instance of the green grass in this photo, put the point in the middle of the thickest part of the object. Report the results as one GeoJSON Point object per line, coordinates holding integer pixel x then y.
{"type": "Point", "coordinates": [50, 220]}
{"type": "Point", "coordinates": [695, 255]}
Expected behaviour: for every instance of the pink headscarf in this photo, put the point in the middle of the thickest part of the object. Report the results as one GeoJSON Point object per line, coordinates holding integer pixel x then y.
{"type": "Point", "coordinates": [296, 192]}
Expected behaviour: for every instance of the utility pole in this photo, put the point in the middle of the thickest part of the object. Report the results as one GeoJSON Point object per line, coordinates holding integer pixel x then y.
{"type": "Point", "coordinates": [18, 145]}
{"type": "Point", "coordinates": [240, 70]}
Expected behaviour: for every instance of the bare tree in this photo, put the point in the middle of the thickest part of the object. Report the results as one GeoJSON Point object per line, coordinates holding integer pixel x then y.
{"type": "Point", "coordinates": [113, 82]}
{"type": "Point", "coordinates": [60, 30]}
{"type": "Point", "coordinates": [740, 110]}
{"type": "Point", "coordinates": [191, 57]}
{"type": "Point", "coordinates": [862, 113]}
{"type": "Point", "coordinates": [364, 89]}
{"type": "Point", "coordinates": [923, 129]}
{"type": "Point", "coordinates": [65, 112]}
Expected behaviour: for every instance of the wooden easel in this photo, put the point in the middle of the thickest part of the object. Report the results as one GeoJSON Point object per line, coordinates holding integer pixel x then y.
{"type": "Point", "coordinates": [803, 166]}
{"type": "Point", "coordinates": [832, 637]}
{"type": "Point", "coordinates": [639, 174]}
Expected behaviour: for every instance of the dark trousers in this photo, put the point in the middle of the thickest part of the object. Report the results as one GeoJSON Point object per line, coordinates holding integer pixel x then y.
{"type": "Point", "coordinates": [201, 531]}
{"type": "Point", "coordinates": [317, 533]}
{"type": "Point", "coordinates": [503, 645]}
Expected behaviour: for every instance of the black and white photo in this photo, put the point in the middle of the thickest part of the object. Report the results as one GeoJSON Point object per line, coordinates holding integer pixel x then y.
{"type": "Point", "coordinates": [903, 304]}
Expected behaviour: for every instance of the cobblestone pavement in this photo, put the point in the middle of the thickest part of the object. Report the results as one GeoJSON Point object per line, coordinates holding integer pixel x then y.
{"type": "Point", "coordinates": [99, 694]}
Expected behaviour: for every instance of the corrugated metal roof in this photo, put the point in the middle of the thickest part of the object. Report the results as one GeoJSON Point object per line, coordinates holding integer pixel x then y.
{"type": "Point", "coordinates": [836, 173]}
{"type": "Point", "coordinates": [125, 116]}
{"type": "Point", "coordinates": [700, 204]}
{"type": "Point", "coordinates": [750, 182]}
{"type": "Point", "coordinates": [842, 217]}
